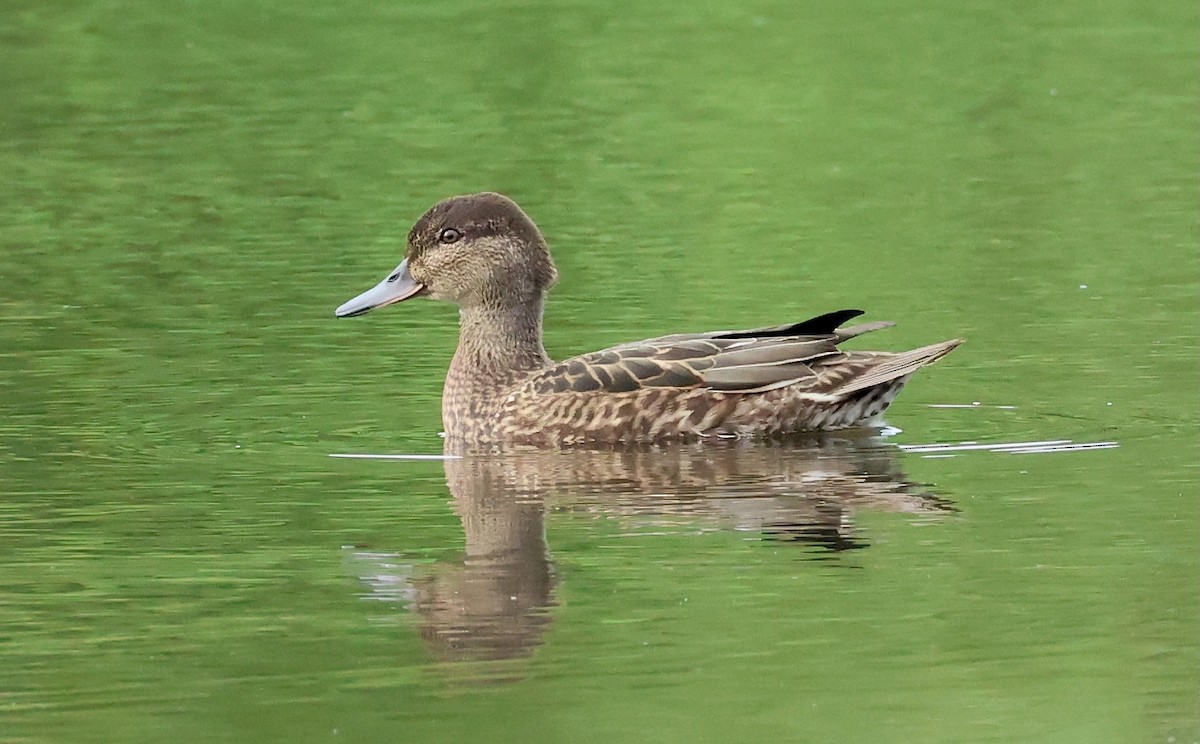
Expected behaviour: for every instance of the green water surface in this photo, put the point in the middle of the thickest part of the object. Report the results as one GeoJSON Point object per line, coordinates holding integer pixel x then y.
{"type": "Point", "coordinates": [189, 187]}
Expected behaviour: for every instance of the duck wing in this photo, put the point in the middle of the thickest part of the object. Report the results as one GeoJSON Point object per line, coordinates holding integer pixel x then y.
{"type": "Point", "coordinates": [748, 361]}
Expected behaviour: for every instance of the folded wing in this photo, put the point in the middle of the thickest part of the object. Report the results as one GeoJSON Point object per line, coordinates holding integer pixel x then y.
{"type": "Point", "coordinates": [751, 361]}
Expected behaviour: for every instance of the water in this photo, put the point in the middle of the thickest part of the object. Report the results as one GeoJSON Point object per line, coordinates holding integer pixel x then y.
{"type": "Point", "coordinates": [191, 188]}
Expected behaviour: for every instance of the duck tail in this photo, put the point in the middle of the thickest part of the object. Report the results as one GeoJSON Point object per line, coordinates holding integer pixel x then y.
{"type": "Point", "coordinates": [898, 365]}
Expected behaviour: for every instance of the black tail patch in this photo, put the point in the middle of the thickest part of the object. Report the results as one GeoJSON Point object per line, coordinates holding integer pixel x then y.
{"type": "Point", "coordinates": [822, 325]}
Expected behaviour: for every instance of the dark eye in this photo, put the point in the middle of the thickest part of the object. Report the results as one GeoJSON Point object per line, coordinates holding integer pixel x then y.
{"type": "Point", "coordinates": [449, 235]}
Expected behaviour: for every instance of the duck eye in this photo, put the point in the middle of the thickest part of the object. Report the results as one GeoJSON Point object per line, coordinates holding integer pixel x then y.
{"type": "Point", "coordinates": [449, 235]}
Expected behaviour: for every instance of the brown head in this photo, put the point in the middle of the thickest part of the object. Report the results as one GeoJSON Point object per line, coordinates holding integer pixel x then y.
{"type": "Point", "coordinates": [475, 250]}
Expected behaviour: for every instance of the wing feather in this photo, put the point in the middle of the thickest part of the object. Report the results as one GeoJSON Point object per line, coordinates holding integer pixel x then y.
{"type": "Point", "coordinates": [749, 361]}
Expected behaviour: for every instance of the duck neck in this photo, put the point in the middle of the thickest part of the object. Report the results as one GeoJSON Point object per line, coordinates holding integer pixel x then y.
{"type": "Point", "coordinates": [499, 343]}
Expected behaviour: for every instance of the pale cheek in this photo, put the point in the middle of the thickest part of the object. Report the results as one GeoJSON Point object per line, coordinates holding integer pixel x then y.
{"type": "Point", "coordinates": [449, 291]}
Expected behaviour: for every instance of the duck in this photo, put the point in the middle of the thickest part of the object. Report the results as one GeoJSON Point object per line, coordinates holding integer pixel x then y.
{"type": "Point", "coordinates": [483, 253]}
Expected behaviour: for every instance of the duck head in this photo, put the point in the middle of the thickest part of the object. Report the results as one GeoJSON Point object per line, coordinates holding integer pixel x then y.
{"type": "Point", "coordinates": [475, 250]}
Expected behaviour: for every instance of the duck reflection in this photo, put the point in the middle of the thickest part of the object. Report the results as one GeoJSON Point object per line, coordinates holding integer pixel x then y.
{"type": "Point", "coordinates": [495, 603]}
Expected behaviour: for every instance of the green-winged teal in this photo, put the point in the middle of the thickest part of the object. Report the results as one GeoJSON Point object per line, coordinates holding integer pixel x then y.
{"type": "Point", "coordinates": [483, 253]}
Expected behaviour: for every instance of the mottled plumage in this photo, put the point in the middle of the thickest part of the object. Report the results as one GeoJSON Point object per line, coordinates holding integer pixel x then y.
{"type": "Point", "coordinates": [484, 254]}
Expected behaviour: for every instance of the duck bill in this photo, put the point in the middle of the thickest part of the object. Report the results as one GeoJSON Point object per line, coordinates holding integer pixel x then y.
{"type": "Point", "coordinates": [398, 286]}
